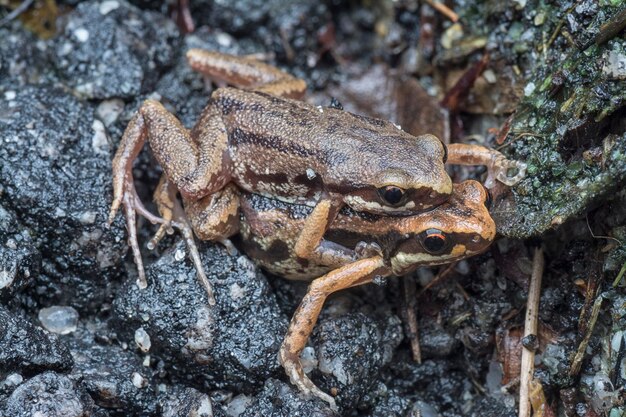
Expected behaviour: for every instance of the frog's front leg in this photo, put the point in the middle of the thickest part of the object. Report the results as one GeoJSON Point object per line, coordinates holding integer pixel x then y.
{"type": "Point", "coordinates": [303, 321]}
{"type": "Point", "coordinates": [499, 167]}
{"type": "Point", "coordinates": [246, 73]}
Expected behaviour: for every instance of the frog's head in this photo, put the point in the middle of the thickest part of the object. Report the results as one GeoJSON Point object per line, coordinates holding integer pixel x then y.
{"type": "Point", "coordinates": [409, 177]}
{"type": "Point", "coordinates": [459, 228]}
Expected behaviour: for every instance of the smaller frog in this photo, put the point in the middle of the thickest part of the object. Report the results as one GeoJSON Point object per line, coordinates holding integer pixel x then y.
{"type": "Point", "coordinates": [265, 142]}
{"type": "Point", "coordinates": [269, 229]}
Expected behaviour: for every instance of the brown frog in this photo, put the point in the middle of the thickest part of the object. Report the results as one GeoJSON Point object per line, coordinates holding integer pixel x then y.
{"type": "Point", "coordinates": [265, 142]}
{"type": "Point", "coordinates": [270, 229]}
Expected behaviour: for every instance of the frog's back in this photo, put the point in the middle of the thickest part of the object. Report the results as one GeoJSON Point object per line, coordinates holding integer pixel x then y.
{"type": "Point", "coordinates": [284, 147]}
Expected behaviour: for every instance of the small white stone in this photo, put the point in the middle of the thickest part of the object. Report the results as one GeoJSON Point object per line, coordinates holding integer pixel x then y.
{"type": "Point", "coordinates": [87, 217]}
{"type": "Point", "coordinates": [528, 90]}
{"type": "Point", "coordinates": [321, 109]}
{"type": "Point", "coordinates": [146, 361]}
{"type": "Point", "coordinates": [238, 405]}
{"type": "Point", "coordinates": [109, 110]}
{"type": "Point", "coordinates": [142, 338]}
{"type": "Point", "coordinates": [179, 255]}
{"type": "Point", "coordinates": [99, 139]}
{"type": "Point", "coordinates": [310, 174]}
{"type": "Point", "coordinates": [236, 292]}
{"type": "Point", "coordinates": [59, 319]}
{"type": "Point", "coordinates": [224, 39]}
{"type": "Point", "coordinates": [139, 381]}
{"type": "Point", "coordinates": [308, 359]}
{"type": "Point", "coordinates": [7, 277]}
{"type": "Point", "coordinates": [10, 95]}
{"type": "Point", "coordinates": [205, 409]}
{"type": "Point", "coordinates": [108, 6]}
{"type": "Point", "coordinates": [489, 76]}
{"type": "Point", "coordinates": [13, 379]}
{"type": "Point", "coordinates": [81, 34]}
{"type": "Point", "coordinates": [59, 212]}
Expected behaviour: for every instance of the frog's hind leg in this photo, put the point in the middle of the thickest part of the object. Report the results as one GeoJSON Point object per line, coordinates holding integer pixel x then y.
{"type": "Point", "coordinates": [215, 216]}
{"type": "Point", "coordinates": [305, 317]}
{"type": "Point", "coordinates": [246, 73]}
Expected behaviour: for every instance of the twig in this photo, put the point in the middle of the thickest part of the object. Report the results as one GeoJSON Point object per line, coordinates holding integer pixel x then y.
{"type": "Point", "coordinates": [530, 328]}
{"type": "Point", "coordinates": [612, 28]}
{"type": "Point", "coordinates": [16, 12]}
{"type": "Point", "coordinates": [619, 275]}
{"type": "Point", "coordinates": [408, 286]}
{"type": "Point", "coordinates": [438, 278]}
{"type": "Point", "coordinates": [580, 353]}
{"type": "Point", "coordinates": [443, 9]}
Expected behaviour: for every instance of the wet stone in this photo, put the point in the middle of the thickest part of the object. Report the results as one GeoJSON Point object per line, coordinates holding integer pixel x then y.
{"type": "Point", "coordinates": [139, 45]}
{"type": "Point", "coordinates": [279, 399]}
{"type": "Point", "coordinates": [55, 173]}
{"type": "Point", "coordinates": [22, 60]}
{"type": "Point", "coordinates": [354, 347]}
{"type": "Point", "coordinates": [109, 373]}
{"type": "Point", "coordinates": [59, 319]}
{"type": "Point", "coordinates": [185, 401]}
{"type": "Point", "coordinates": [20, 260]}
{"type": "Point", "coordinates": [48, 394]}
{"type": "Point", "coordinates": [27, 349]}
{"type": "Point", "coordinates": [233, 345]}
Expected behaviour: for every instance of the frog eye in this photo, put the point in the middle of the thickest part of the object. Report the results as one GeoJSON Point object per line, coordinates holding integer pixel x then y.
{"type": "Point", "coordinates": [391, 194]}
{"type": "Point", "coordinates": [434, 241]}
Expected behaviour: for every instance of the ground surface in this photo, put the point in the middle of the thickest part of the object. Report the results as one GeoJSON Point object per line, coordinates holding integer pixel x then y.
{"type": "Point", "coordinates": [71, 77]}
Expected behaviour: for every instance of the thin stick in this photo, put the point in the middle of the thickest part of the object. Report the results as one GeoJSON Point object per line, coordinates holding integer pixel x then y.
{"type": "Point", "coordinates": [582, 348]}
{"type": "Point", "coordinates": [530, 328]}
{"type": "Point", "coordinates": [408, 285]}
{"type": "Point", "coordinates": [16, 12]}
{"type": "Point", "coordinates": [443, 9]}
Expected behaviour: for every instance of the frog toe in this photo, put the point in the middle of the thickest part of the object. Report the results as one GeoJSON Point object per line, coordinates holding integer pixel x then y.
{"type": "Point", "coordinates": [511, 172]}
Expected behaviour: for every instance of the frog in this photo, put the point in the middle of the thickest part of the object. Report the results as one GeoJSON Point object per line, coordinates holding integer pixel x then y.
{"type": "Point", "coordinates": [262, 137]}
{"type": "Point", "coordinates": [269, 229]}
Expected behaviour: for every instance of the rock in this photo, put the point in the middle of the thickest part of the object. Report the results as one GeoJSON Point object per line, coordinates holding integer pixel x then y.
{"type": "Point", "coordinates": [354, 347]}
{"type": "Point", "coordinates": [115, 378]}
{"type": "Point", "coordinates": [388, 403]}
{"type": "Point", "coordinates": [20, 260]}
{"type": "Point", "coordinates": [55, 172]}
{"type": "Point", "coordinates": [233, 345]}
{"type": "Point", "coordinates": [50, 395]}
{"type": "Point", "coordinates": [139, 44]}
{"type": "Point", "coordinates": [279, 399]}
{"type": "Point", "coordinates": [59, 319]}
{"type": "Point", "coordinates": [27, 349]}
{"type": "Point", "coordinates": [188, 402]}
{"type": "Point", "coordinates": [22, 60]}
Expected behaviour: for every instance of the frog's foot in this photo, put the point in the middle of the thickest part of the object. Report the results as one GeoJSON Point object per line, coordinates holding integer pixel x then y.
{"type": "Point", "coordinates": [367, 250]}
{"type": "Point", "coordinates": [230, 248]}
{"type": "Point", "coordinates": [185, 229]}
{"type": "Point", "coordinates": [506, 171]}
{"type": "Point", "coordinates": [133, 205]}
{"type": "Point", "coordinates": [173, 217]}
{"type": "Point", "coordinates": [293, 368]}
